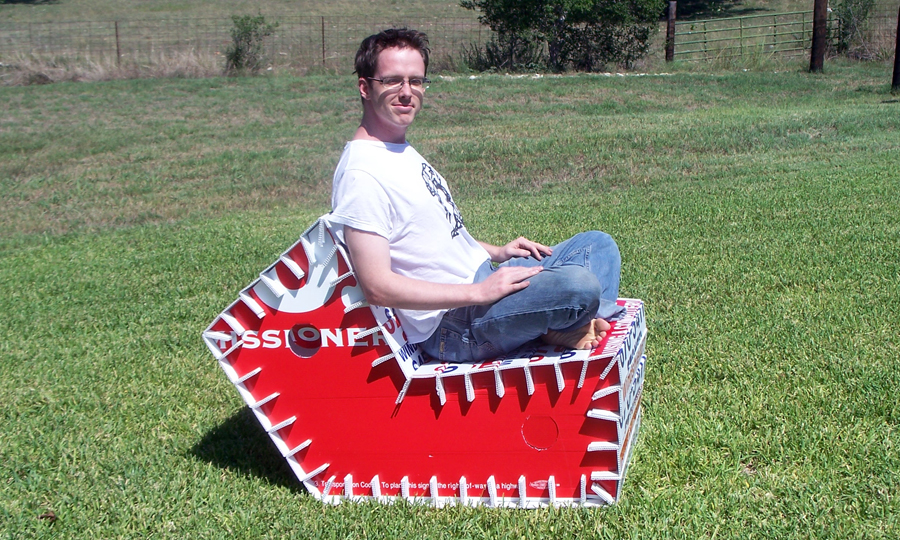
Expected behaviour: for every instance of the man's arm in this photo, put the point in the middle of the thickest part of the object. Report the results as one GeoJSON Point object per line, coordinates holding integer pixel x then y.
{"type": "Point", "coordinates": [520, 247]}
{"type": "Point", "coordinates": [371, 258]}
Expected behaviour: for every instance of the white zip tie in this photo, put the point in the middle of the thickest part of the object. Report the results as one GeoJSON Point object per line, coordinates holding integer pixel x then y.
{"type": "Point", "coordinates": [327, 487]}
{"type": "Point", "coordinates": [404, 487]}
{"type": "Point", "coordinates": [522, 497]}
{"type": "Point", "coordinates": [232, 322]}
{"type": "Point", "coordinates": [607, 498]}
{"type": "Point", "coordinates": [276, 287]}
{"type": "Point", "coordinates": [551, 487]}
{"type": "Point", "coordinates": [433, 490]}
{"type": "Point", "coordinates": [244, 378]}
{"type": "Point", "coordinates": [600, 446]}
{"type": "Point", "coordinates": [382, 359]}
{"type": "Point", "coordinates": [368, 332]}
{"type": "Point", "coordinates": [601, 414]}
{"type": "Point", "coordinates": [348, 486]}
{"type": "Point", "coordinates": [310, 255]}
{"type": "Point", "coordinates": [356, 305]}
{"type": "Point", "coordinates": [281, 425]}
{"type": "Point", "coordinates": [603, 392]}
{"type": "Point", "coordinates": [608, 368]}
{"type": "Point", "coordinates": [222, 355]}
{"type": "Point", "coordinates": [328, 257]}
{"type": "Point", "coordinates": [213, 348]}
{"type": "Point", "coordinates": [560, 382]}
{"type": "Point", "coordinates": [584, 368]}
{"type": "Point", "coordinates": [252, 304]}
{"type": "Point", "coordinates": [264, 400]}
{"type": "Point", "coordinates": [439, 388]}
{"type": "Point", "coordinates": [293, 266]}
{"type": "Point", "coordinates": [376, 487]}
{"type": "Point", "coordinates": [321, 227]}
{"type": "Point", "coordinates": [492, 490]}
{"type": "Point", "coordinates": [529, 381]}
{"type": "Point", "coordinates": [470, 389]}
{"type": "Point", "coordinates": [315, 472]}
{"type": "Point", "coordinates": [463, 491]}
{"type": "Point", "coordinates": [340, 278]}
{"type": "Point", "coordinates": [583, 490]}
{"type": "Point", "coordinates": [299, 447]}
{"type": "Point", "coordinates": [596, 476]}
{"type": "Point", "coordinates": [402, 393]}
{"type": "Point", "coordinates": [217, 335]}
{"type": "Point", "coordinates": [498, 383]}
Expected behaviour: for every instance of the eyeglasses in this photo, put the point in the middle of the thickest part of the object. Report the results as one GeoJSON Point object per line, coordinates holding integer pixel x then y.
{"type": "Point", "coordinates": [395, 83]}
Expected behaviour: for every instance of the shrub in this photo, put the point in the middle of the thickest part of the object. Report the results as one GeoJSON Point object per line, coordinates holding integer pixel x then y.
{"type": "Point", "coordinates": [247, 50]}
{"type": "Point", "coordinates": [506, 52]}
{"type": "Point", "coordinates": [851, 16]}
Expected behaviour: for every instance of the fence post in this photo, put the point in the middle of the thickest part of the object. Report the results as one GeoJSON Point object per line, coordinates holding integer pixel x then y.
{"type": "Point", "coordinates": [118, 48]}
{"type": "Point", "coordinates": [820, 33]}
{"type": "Point", "coordinates": [323, 41]}
{"type": "Point", "coordinates": [895, 83]}
{"type": "Point", "coordinates": [670, 32]}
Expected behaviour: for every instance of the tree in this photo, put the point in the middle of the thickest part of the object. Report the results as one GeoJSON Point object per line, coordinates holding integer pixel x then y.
{"type": "Point", "coordinates": [585, 34]}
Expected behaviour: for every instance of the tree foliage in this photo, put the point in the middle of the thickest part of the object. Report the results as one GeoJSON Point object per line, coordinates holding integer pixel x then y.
{"type": "Point", "coordinates": [582, 34]}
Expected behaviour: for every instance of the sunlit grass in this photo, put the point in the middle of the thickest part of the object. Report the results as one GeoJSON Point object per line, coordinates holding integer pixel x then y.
{"type": "Point", "coordinates": [756, 214]}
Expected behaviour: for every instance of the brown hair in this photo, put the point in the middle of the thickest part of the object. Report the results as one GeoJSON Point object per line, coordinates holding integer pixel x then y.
{"type": "Point", "coordinates": [401, 38]}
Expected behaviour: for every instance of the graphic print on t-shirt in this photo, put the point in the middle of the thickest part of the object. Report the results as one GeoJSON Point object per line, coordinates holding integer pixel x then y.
{"type": "Point", "coordinates": [435, 185]}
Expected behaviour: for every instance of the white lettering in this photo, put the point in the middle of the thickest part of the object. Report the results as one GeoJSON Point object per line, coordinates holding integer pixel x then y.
{"type": "Point", "coordinates": [351, 337]}
{"type": "Point", "coordinates": [271, 339]}
{"type": "Point", "coordinates": [250, 339]}
{"type": "Point", "coordinates": [336, 337]}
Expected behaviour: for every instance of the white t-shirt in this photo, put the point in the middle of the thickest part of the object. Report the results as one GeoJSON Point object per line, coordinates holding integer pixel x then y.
{"type": "Point", "coordinates": [390, 190]}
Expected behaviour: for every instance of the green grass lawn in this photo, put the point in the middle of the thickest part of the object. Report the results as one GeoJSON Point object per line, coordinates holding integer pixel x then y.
{"type": "Point", "coordinates": [757, 217]}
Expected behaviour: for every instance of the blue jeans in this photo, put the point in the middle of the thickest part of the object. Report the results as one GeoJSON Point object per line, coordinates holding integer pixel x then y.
{"type": "Point", "coordinates": [580, 282]}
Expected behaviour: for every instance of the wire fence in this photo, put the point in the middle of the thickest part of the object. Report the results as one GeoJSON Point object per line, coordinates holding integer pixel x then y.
{"type": "Point", "coordinates": [301, 42]}
{"type": "Point", "coordinates": [331, 42]}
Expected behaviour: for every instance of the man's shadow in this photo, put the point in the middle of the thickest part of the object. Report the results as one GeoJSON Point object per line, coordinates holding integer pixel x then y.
{"type": "Point", "coordinates": [240, 444]}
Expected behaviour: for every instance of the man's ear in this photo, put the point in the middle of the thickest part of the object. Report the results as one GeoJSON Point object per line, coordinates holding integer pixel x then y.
{"type": "Point", "coordinates": [363, 87]}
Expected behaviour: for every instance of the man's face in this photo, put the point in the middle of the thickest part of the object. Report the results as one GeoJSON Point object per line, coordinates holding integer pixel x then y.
{"type": "Point", "coordinates": [389, 112]}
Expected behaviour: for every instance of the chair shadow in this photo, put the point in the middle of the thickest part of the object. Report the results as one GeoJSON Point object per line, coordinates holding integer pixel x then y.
{"type": "Point", "coordinates": [240, 444]}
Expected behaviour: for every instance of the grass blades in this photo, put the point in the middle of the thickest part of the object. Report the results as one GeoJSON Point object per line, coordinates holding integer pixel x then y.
{"type": "Point", "coordinates": [756, 214]}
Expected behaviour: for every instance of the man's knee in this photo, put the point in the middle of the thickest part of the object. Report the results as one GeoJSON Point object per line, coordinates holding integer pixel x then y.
{"type": "Point", "coordinates": [571, 285]}
{"type": "Point", "coordinates": [603, 247]}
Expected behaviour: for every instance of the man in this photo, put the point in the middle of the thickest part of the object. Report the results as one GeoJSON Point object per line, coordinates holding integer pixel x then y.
{"type": "Point", "coordinates": [412, 252]}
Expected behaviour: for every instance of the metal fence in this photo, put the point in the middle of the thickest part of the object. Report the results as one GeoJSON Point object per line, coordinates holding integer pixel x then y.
{"type": "Point", "coordinates": [781, 33]}
{"type": "Point", "coordinates": [785, 34]}
{"type": "Point", "coordinates": [303, 42]}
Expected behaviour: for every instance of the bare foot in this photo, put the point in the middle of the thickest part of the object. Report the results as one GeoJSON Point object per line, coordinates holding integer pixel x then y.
{"type": "Point", "coordinates": [586, 337]}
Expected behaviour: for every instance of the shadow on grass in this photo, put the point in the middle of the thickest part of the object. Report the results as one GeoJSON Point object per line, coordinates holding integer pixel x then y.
{"type": "Point", "coordinates": [240, 444]}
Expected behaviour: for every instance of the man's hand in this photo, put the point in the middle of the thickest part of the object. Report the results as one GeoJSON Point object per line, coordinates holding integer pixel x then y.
{"type": "Point", "coordinates": [505, 281]}
{"type": "Point", "coordinates": [520, 247]}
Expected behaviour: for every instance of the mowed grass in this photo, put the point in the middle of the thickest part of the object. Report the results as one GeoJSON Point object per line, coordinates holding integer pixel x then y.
{"type": "Point", "coordinates": [756, 214]}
